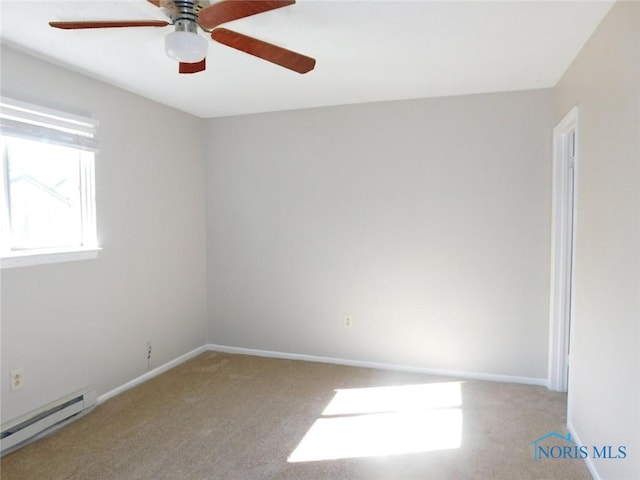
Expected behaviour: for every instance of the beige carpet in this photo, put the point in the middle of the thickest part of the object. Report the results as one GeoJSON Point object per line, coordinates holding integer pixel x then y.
{"type": "Point", "coordinates": [229, 417]}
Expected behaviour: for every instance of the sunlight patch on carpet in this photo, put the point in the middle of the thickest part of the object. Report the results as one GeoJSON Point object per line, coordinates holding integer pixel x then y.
{"type": "Point", "coordinates": [394, 420]}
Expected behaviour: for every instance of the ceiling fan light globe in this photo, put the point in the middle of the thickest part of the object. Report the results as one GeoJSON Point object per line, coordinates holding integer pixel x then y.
{"type": "Point", "coordinates": [187, 47]}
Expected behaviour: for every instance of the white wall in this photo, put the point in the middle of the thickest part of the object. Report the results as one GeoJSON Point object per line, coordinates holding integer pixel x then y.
{"type": "Point", "coordinates": [73, 324]}
{"type": "Point", "coordinates": [427, 221]}
{"type": "Point", "coordinates": [604, 383]}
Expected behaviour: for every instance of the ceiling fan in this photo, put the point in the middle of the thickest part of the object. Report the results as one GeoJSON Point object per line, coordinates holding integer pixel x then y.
{"type": "Point", "coordinates": [189, 48]}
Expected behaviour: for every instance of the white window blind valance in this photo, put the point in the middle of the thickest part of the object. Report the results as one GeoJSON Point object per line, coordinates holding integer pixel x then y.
{"type": "Point", "coordinates": [32, 122]}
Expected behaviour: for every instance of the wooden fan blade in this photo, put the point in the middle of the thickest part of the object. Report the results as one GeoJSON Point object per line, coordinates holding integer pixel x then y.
{"type": "Point", "coordinates": [271, 53]}
{"type": "Point", "coordinates": [193, 67]}
{"type": "Point", "coordinates": [108, 24]}
{"type": "Point", "coordinates": [229, 10]}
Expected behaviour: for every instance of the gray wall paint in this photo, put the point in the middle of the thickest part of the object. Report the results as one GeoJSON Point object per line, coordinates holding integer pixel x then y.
{"type": "Point", "coordinates": [604, 384]}
{"type": "Point", "coordinates": [427, 221]}
{"type": "Point", "coordinates": [79, 323]}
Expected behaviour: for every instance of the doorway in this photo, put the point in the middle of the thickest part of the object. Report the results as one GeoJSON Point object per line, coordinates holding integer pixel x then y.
{"type": "Point", "coordinates": [562, 249]}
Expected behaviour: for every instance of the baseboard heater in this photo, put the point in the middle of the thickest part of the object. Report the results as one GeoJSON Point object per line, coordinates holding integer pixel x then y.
{"type": "Point", "coordinates": [42, 420]}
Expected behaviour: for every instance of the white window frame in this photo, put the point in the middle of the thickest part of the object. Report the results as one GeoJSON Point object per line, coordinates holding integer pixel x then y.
{"type": "Point", "coordinates": [33, 122]}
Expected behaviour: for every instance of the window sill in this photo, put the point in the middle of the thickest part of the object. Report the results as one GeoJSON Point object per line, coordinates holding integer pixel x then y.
{"type": "Point", "coordinates": [29, 258]}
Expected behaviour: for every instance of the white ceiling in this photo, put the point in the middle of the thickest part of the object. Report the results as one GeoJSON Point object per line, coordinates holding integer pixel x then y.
{"type": "Point", "coordinates": [366, 51]}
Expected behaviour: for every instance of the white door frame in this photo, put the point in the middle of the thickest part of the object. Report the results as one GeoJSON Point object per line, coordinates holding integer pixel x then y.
{"type": "Point", "coordinates": [562, 243]}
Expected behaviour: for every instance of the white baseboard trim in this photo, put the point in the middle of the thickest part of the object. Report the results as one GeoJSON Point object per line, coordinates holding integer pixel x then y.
{"type": "Point", "coordinates": [313, 358]}
{"type": "Point", "coordinates": [589, 461]}
{"type": "Point", "coordinates": [151, 374]}
{"type": "Point", "coordinates": [378, 365]}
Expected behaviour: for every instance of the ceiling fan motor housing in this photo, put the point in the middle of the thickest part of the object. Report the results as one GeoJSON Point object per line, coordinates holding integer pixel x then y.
{"type": "Point", "coordinates": [184, 13]}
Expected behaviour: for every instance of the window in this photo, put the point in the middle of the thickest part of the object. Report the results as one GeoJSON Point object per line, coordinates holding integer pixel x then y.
{"type": "Point", "coordinates": [47, 185]}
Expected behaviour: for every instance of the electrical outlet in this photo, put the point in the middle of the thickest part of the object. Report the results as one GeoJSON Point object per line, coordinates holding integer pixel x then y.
{"type": "Point", "coordinates": [17, 379]}
{"type": "Point", "coordinates": [148, 350]}
{"type": "Point", "coordinates": [347, 321]}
